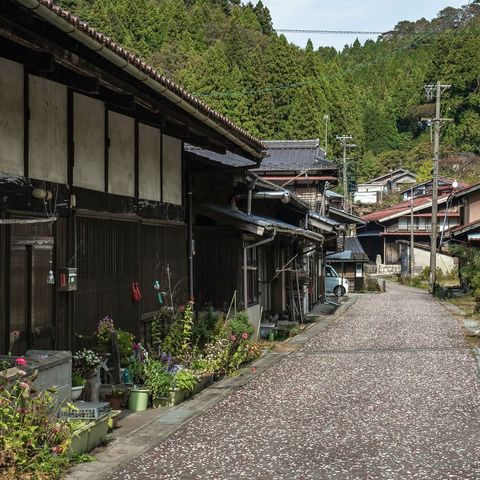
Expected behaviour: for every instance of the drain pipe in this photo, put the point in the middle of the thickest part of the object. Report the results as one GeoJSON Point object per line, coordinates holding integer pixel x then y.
{"type": "Point", "coordinates": [249, 196]}
{"type": "Point", "coordinates": [245, 265]}
{"type": "Point", "coordinates": [190, 235]}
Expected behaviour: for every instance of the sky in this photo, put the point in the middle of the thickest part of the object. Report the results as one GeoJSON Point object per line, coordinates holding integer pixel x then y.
{"type": "Point", "coordinates": [370, 15]}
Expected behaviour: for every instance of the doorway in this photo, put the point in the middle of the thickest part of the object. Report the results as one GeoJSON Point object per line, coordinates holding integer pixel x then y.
{"type": "Point", "coordinates": [31, 296]}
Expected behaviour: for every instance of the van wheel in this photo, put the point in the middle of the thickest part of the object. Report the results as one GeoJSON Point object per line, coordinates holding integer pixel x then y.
{"type": "Point", "coordinates": [339, 291]}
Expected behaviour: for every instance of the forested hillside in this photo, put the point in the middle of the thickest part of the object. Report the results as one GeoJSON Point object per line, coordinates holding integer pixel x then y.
{"type": "Point", "coordinates": [227, 53]}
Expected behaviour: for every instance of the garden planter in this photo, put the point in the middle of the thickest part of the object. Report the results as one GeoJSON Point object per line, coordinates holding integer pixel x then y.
{"type": "Point", "coordinates": [204, 381]}
{"type": "Point", "coordinates": [138, 400]}
{"type": "Point", "coordinates": [89, 436]}
{"type": "Point", "coordinates": [115, 401]}
{"type": "Point", "coordinates": [76, 392]}
{"type": "Point", "coordinates": [161, 402]}
{"type": "Point", "coordinates": [178, 396]}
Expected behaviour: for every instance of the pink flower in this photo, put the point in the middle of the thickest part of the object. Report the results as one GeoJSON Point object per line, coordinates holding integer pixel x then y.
{"type": "Point", "coordinates": [15, 333]}
{"type": "Point", "coordinates": [244, 335]}
{"type": "Point", "coordinates": [24, 385]}
{"type": "Point", "coordinates": [20, 361]}
{"type": "Point", "coordinates": [135, 346]}
{"type": "Point", "coordinates": [233, 338]}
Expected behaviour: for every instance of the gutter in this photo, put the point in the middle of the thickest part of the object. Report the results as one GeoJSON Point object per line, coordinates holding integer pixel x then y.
{"type": "Point", "coordinates": [55, 19]}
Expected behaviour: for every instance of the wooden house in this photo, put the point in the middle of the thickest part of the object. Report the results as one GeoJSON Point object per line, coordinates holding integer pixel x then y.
{"type": "Point", "coordinates": [254, 245]}
{"type": "Point", "coordinates": [385, 227]}
{"type": "Point", "coordinates": [93, 196]}
{"type": "Point", "coordinates": [299, 166]}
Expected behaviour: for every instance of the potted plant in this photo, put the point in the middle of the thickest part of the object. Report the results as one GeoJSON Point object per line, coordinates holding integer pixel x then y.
{"type": "Point", "coordinates": [78, 382]}
{"type": "Point", "coordinates": [184, 382]}
{"type": "Point", "coordinates": [115, 398]}
{"type": "Point", "coordinates": [86, 363]}
{"type": "Point", "coordinates": [159, 382]}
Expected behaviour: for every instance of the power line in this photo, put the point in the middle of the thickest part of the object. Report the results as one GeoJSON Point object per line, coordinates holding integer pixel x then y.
{"type": "Point", "coordinates": [328, 32]}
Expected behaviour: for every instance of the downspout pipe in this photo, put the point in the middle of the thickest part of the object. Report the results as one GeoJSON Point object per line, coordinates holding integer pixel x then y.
{"type": "Point", "coordinates": [249, 196]}
{"type": "Point", "coordinates": [245, 264]}
{"type": "Point", "coordinates": [120, 62]}
{"type": "Point", "coordinates": [190, 236]}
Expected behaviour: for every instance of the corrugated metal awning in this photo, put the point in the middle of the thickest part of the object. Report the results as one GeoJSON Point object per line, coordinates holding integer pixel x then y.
{"type": "Point", "coordinates": [255, 223]}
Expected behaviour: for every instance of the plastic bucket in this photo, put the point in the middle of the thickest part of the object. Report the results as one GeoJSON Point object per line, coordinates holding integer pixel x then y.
{"type": "Point", "coordinates": [138, 400]}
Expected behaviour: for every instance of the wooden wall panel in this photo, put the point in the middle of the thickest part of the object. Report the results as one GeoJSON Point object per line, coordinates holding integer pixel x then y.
{"type": "Point", "coordinates": [11, 117]}
{"type": "Point", "coordinates": [89, 139]}
{"type": "Point", "coordinates": [47, 130]}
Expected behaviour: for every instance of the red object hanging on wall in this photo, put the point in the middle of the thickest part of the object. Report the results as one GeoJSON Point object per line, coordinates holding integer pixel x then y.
{"type": "Point", "coordinates": [136, 295]}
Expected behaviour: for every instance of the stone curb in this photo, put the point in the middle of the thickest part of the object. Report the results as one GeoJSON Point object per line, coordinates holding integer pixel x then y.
{"type": "Point", "coordinates": [125, 449]}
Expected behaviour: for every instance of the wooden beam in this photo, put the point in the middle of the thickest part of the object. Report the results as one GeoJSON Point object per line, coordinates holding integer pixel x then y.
{"type": "Point", "coordinates": [34, 59]}
{"type": "Point", "coordinates": [117, 99]}
{"type": "Point", "coordinates": [82, 83]}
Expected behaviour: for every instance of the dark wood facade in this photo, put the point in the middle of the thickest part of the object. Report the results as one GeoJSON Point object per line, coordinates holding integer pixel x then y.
{"type": "Point", "coordinates": [92, 177]}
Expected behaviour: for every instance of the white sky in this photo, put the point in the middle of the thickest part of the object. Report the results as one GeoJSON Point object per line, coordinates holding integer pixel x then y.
{"type": "Point", "coordinates": [370, 15]}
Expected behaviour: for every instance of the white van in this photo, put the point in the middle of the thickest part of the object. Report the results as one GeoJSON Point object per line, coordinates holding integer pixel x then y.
{"type": "Point", "coordinates": [334, 283]}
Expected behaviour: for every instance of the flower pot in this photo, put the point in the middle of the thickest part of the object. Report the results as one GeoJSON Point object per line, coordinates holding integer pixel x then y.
{"type": "Point", "coordinates": [178, 396]}
{"type": "Point", "coordinates": [76, 392]}
{"type": "Point", "coordinates": [161, 402]}
{"type": "Point", "coordinates": [115, 401]}
{"type": "Point", "coordinates": [138, 400]}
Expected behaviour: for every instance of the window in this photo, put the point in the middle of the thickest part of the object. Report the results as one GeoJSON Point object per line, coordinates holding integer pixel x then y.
{"type": "Point", "coordinates": [252, 276]}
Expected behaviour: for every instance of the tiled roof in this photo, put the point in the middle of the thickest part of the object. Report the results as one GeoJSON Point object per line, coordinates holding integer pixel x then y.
{"type": "Point", "coordinates": [228, 159]}
{"type": "Point", "coordinates": [294, 155]}
{"type": "Point", "coordinates": [353, 250]}
{"type": "Point", "coordinates": [97, 41]}
{"type": "Point", "coordinates": [467, 190]}
{"type": "Point", "coordinates": [401, 207]}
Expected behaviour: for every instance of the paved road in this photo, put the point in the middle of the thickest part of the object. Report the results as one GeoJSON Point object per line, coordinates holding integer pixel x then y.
{"type": "Point", "coordinates": [388, 392]}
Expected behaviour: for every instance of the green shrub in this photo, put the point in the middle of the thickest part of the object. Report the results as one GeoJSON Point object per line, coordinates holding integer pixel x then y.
{"type": "Point", "coordinates": [33, 441]}
{"type": "Point", "coordinates": [184, 380]}
{"type": "Point", "coordinates": [157, 379]}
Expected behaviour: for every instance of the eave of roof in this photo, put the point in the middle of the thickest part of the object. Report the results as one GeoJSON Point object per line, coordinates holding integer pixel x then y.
{"type": "Point", "coordinates": [461, 229]}
{"type": "Point", "coordinates": [255, 223]}
{"type": "Point", "coordinates": [140, 70]}
{"type": "Point", "coordinates": [401, 209]}
{"type": "Point", "coordinates": [467, 190]}
{"type": "Point", "coordinates": [349, 216]}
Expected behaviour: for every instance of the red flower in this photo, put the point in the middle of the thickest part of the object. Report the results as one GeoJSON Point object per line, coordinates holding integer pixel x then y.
{"type": "Point", "coordinates": [233, 338]}
{"type": "Point", "coordinates": [15, 333]}
{"type": "Point", "coordinates": [20, 361]}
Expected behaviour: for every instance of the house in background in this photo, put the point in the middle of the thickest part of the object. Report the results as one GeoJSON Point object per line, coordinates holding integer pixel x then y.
{"type": "Point", "coordinates": [299, 166]}
{"type": "Point", "coordinates": [376, 189]}
{"type": "Point", "coordinates": [445, 186]}
{"type": "Point", "coordinates": [385, 227]}
{"type": "Point", "coordinates": [349, 263]}
{"type": "Point", "coordinates": [468, 232]}
{"type": "Point", "coordinates": [93, 194]}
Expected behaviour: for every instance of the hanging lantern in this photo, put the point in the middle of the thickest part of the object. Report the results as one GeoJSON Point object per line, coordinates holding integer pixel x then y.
{"type": "Point", "coordinates": [51, 276]}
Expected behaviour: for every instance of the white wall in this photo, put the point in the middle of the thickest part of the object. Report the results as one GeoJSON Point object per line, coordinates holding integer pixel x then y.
{"type": "Point", "coordinates": [172, 170]}
{"type": "Point", "coordinates": [149, 145]}
{"type": "Point", "coordinates": [121, 154]}
{"type": "Point", "coordinates": [89, 139]}
{"type": "Point", "coordinates": [11, 117]}
{"type": "Point", "coordinates": [444, 262]}
{"type": "Point", "coordinates": [47, 130]}
{"type": "Point", "coordinates": [365, 197]}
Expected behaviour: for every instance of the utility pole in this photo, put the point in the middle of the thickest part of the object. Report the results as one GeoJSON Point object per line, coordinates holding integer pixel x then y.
{"type": "Point", "coordinates": [343, 140]}
{"type": "Point", "coordinates": [435, 91]}
{"type": "Point", "coordinates": [326, 118]}
{"type": "Point", "coordinates": [412, 246]}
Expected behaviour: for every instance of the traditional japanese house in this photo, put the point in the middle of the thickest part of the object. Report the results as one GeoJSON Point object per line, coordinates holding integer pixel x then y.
{"type": "Point", "coordinates": [299, 166]}
{"type": "Point", "coordinates": [94, 202]}
{"type": "Point", "coordinates": [385, 227]}
{"type": "Point", "coordinates": [468, 232]}
{"type": "Point", "coordinates": [253, 242]}
{"type": "Point", "coordinates": [349, 263]}
{"type": "Point", "coordinates": [376, 189]}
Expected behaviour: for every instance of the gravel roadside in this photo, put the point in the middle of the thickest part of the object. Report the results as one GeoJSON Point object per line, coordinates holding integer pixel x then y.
{"type": "Point", "coordinates": [388, 392]}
